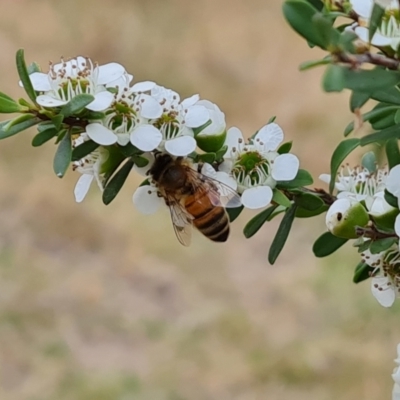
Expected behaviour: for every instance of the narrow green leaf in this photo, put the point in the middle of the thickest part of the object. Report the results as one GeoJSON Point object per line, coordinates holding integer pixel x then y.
{"type": "Point", "coordinates": [24, 76]}
{"type": "Point", "coordinates": [391, 199]}
{"type": "Point", "coordinates": [17, 120]}
{"type": "Point", "coordinates": [303, 178]}
{"type": "Point", "coordinates": [221, 152]}
{"type": "Point", "coordinates": [375, 20]}
{"type": "Point", "coordinates": [271, 120]}
{"type": "Point", "coordinates": [392, 152]}
{"type": "Point", "coordinates": [254, 225]}
{"type": "Point", "coordinates": [377, 246]}
{"type": "Point", "coordinates": [382, 136]}
{"type": "Point", "coordinates": [341, 152]}
{"type": "Point", "coordinates": [62, 158]}
{"type": "Point", "coordinates": [333, 79]}
{"type": "Point", "coordinates": [324, 28]}
{"type": "Point", "coordinates": [364, 246]}
{"type": "Point", "coordinates": [57, 121]}
{"type": "Point", "coordinates": [17, 128]}
{"type": "Point", "coordinates": [303, 213]}
{"type": "Point", "coordinates": [207, 157]}
{"type": "Point", "coordinates": [76, 105]}
{"type": "Point", "coordinates": [309, 201]}
{"type": "Point", "coordinates": [279, 198]}
{"type": "Point", "coordinates": [358, 99]}
{"type": "Point", "coordinates": [234, 212]}
{"type": "Point", "coordinates": [362, 272]}
{"type": "Point", "coordinates": [197, 130]}
{"type": "Point", "coordinates": [116, 182]}
{"type": "Point", "coordinates": [130, 150]}
{"type": "Point", "coordinates": [140, 161]}
{"type": "Point", "coordinates": [327, 244]}
{"type": "Point", "coordinates": [316, 63]}
{"type": "Point", "coordinates": [44, 136]}
{"type": "Point", "coordinates": [299, 15]}
{"type": "Point", "coordinates": [282, 234]}
{"type": "Point", "coordinates": [285, 148]}
{"type": "Point", "coordinates": [8, 105]}
{"type": "Point", "coordinates": [84, 149]}
{"type": "Point", "coordinates": [369, 161]}
{"type": "Point", "coordinates": [318, 4]}
{"type": "Point", "coordinates": [383, 122]}
{"type": "Point", "coordinates": [390, 95]}
{"type": "Point", "coordinates": [349, 128]}
{"type": "Point", "coordinates": [369, 80]}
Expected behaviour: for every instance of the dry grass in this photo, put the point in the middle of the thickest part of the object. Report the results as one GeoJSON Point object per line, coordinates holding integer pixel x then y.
{"type": "Point", "coordinates": [101, 303]}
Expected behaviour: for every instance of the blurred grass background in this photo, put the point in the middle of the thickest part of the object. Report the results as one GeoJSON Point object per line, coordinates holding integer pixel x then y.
{"type": "Point", "coordinates": [101, 303]}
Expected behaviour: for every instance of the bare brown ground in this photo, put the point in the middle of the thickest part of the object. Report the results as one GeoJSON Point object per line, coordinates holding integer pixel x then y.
{"type": "Point", "coordinates": [101, 303]}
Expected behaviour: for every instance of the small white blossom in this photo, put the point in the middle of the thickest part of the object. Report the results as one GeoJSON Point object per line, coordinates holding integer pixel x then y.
{"type": "Point", "coordinates": [90, 168]}
{"type": "Point", "coordinates": [388, 34]}
{"type": "Point", "coordinates": [257, 166]}
{"type": "Point", "coordinates": [217, 117]}
{"type": "Point", "coordinates": [76, 76]}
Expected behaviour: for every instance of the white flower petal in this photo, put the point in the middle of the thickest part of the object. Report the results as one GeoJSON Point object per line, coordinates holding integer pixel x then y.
{"type": "Point", "coordinates": [362, 7]}
{"type": "Point", "coordinates": [271, 135]}
{"type": "Point", "coordinates": [190, 101]}
{"type": "Point", "coordinates": [100, 134]}
{"type": "Point", "coordinates": [397, 225]}
{"type": "Point", "coordinates": [196, 116]}
{"type": "Point", "coordinates": [226, 166]}
{"type": "Point", "coordinates": [225, 178]}
{"type": "Point", "coordinates": [150, 107]}
{"type": "Point", "coordinates": [49, 101]}
{"type": "Point", "coordinates": [146, 200]}
{"type": "Point", "coordinates": [181, 146]}
{"type": "Point", "coordinates": [109, 72]}
{"type": "Point", "coordinates": [208, 170]}
{"type": "Point", "coordinates": [146, 137]}
{"type": "Point", "coordinates": [325, 178]}
{"type": "Point", "coordinates": [82, 187]}
{"type": "Point", "coordinates": [123, 138]}
{"type": "Point", "coordinates": [380, 40]}
{"type": "Point", "coordinates": [363, 33]}
{"type": "Point", "coordinates": [101, 101]}
{"type": "Point", "coordinates": [143, 86]}
{"type": "Point", "coordinates": [234, 138]}
{"type": "Point", "coordinates": [143, 170]}
{"type": "Point", "coordinates": [257, 197]}
{"type": "Point", "coordinates": [383, 292]}
{"type": "Point", "coordinates": [285, 167]}
{"type": "Point", "coordinates": [40, 81]}
{"type": "Point", "coordinates": [393, 181]}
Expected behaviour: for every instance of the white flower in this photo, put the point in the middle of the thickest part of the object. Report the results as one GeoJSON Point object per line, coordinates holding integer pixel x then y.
{"type": "Point", "coordinates": [147, 199]}
{"type": "Point", "coordinates": [388, 34]}
{"type": "Point", "coordinates": [172, 131]}
{"type": "Point", "coordinates": [257, 166]}
{"type": "Point", "coordinates": [217, 117]}
{"type": "Point", "coordinates": [90, 168]}
{"type": "Point", "coordinates": [76, 76]}
{"type": "Point", "coordinates": [385, 282]}
{"type": "Point", "coordinates": [128, 116]}
{"type": "Point", "coordinates": [396, 377]}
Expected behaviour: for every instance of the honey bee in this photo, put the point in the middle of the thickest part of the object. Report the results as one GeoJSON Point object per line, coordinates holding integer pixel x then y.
{"type": "Point", "coordinates": [193, 199]}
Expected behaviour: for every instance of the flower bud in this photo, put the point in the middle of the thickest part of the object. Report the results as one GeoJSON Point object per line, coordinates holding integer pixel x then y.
{"type": "Point", "coordinates": [344, 216]}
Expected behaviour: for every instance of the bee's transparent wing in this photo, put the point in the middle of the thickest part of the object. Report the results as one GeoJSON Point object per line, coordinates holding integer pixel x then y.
{"type": "Point", "coordinates": [182, 222]}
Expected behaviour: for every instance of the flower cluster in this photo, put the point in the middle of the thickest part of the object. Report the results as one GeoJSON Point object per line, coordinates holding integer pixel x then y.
{"type": "Point", "coordinates": [115, 126]}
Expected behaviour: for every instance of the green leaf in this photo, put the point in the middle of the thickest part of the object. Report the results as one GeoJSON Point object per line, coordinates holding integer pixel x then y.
{"type": "Point", "coordinates": [76, 105]}
{"type": "Point", "coordinates": [377, 246]}
{"type": "Point", "coordinates": [44, 136]}
{"type": "Point", "coordinates": [341, 152]}
{"type": "Point", "coordinates": [318, 4]}
{"type": "Point", "coordinates": [8, 105]}
{"type": "Point", "coordinates": [140, 161]}
{"type": "Point", "coordinates": [282, 234]}
{"type": "Point", "coordinates": [309, 201]}
{"type": "Point", "coordinates": [333, 79]}
{"type": "Point", "coordinates": [130, 150]}
{"type": "Point", "coordinates": [303, 213]}
{"type": "Point", "coordinates": [346, 39]}
{"type": "Point", "coordinates": [33, 67]}
{"type": "Point", "coordinates": [349, 128]}
{"type": "Point", "coordinates": [24, 76]}
{"type": "Point", "coordinates": [369, 161]}
{"type": "Point", "coordinates": [197, 130]}
{"type": "Point", "coordinates": [254, 225]}
{"type": "Point", "coordinates": [392, 152]}
{"type": "Point", "coordinates": [327, 33]}
{"type": "Point", "coordinates": [221, 152]}
{"type": "Point", "coordinates": [91, 115]}
{"type": "Point", "coordinates": [327, 244]}
{"type": "Point", "coordinates": [234, 212]}
{"type": "Point", "coordinates": [363, 246]}
{"type": "Point", "coordinates": [279, 198]}
{"type": "Point", "coordinates": [390, 95]}
{"type": "Point", "coordinates": [114, 160]}
{"type": "Point", "coordinates": [116, 182]}
{"type": "Point", "coordinates": [299, 15]}
{"type": "Point", "coordinates": [18, 120]}
{"type": "Point", "coordinates": [382, 136]}
{"type": "Point", "coordinates": [285, 148]}
{"type": "Point", "coordinates": [375, 20]}
{"type": "Point", "coordinates": [369, 80]}
{"type": "Point", "coordinates": [57, 121]}
{"type": "Point", "coordinates": [84, 149]}
{"type": "Point", "coordinates": [271, 120]}
{"type": "Point", "coordinates": [17, 127]}
{"type": "Point", "coordinates": [391, 199]}
{"type": "Point", "coordinates": [316, 63]}
{"type": "Point", "coordinates": [63, 155]}
{"type": "Point", "coordinates": [303, 178]}
{"type": "Point", "coordinates": [383, 122]}
{"type": "Point", "coordinates": [358, 99]}
{"type": "Point", "coordinates": [362, 272]}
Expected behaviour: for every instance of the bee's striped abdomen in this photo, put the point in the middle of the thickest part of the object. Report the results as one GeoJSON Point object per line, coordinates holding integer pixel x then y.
{"type": "Point", "coordinates": [212, 221]}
